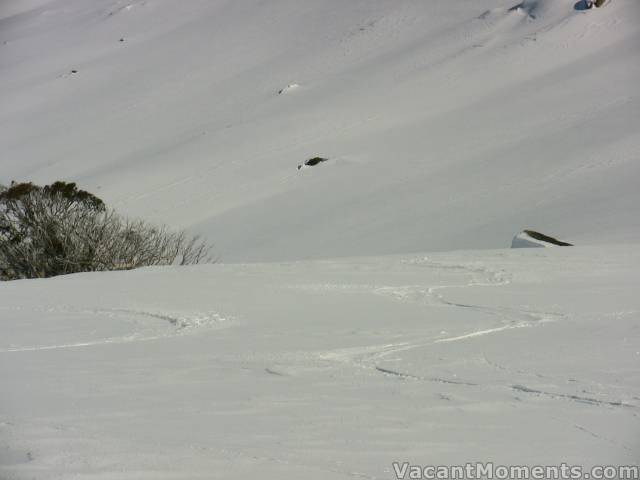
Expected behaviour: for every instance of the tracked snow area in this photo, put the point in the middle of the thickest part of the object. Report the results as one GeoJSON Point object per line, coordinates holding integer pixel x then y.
{"type": "Point", "coordinates": [323, 370]}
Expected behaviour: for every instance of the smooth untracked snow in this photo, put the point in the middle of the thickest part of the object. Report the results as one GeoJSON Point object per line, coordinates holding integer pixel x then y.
{"type": "Point", "coordinates": [323, 370]}
{"type": "Point", "coordinates": [453, 124]}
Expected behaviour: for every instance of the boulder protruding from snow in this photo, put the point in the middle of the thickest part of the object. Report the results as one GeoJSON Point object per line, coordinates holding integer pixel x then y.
{"type": "Point", "coordinates": [533, 239]}
{"type": "Point", "coordinates": [312, 162]}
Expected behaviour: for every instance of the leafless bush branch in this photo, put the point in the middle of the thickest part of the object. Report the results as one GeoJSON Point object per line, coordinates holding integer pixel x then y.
{"type": "Point", "coordinates": [58, 229]}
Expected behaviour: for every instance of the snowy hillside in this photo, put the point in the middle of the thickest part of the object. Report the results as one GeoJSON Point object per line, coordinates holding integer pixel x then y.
{"type": "Point", "coordinates": [327, 370]}
{"type": "Point", "coordinates": [448, 123]}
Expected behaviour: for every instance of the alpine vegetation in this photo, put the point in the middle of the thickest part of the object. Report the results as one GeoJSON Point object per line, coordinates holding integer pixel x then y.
{"type": "Point", "coordinates": [59, 229]}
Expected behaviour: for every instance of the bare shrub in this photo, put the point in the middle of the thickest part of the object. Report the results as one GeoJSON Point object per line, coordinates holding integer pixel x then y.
{"type": "Point", "coordinates": [59, 229]}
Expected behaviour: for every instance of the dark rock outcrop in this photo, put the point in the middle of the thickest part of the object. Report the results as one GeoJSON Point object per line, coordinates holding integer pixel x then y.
{"type": "Point", "coordinates": [312, 162]}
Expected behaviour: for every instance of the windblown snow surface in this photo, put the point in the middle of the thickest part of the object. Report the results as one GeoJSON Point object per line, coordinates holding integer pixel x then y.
{"type": "Point", "coordinates": [326, 369]}
{"type": "Point", "coordinates": [449, 125]}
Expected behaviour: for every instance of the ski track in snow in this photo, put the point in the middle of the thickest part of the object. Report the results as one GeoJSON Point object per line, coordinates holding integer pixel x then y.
{"type": "Point", "coordinates": [575, 398]}
{"type": "Point", "coordinates": [481, 276]}
{"type": "Point", "coordinates": [388, 371]}
{"type": "Point", "coordinates": [368, 357]}
{"type": "Point", "coordinates": [429, 295]}
{"type": "Point", "coordinates": [163, 325]}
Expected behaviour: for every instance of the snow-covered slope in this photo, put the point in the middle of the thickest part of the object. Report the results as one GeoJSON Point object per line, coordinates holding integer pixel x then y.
{"type": "Point", "coordinates": [449, 123]}
{"type": "Point", "coordinates": [323, 370]}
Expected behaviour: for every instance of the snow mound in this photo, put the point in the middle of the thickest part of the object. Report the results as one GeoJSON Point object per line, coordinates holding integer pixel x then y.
{"type": "Point", "coordinates": [288, 88]}
{"type": "Point", "coordinates": [538, 8]}
{"type": "Point", "coordinates": [533, 239]}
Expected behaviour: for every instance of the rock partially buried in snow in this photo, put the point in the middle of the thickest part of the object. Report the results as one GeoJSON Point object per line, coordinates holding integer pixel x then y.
{"type": "Point", "coordinates": [312, 162]}
{"type": "Point", "coordinates": [533, 239]}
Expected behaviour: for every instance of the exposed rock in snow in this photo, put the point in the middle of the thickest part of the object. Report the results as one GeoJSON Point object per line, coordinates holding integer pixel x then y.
{"type": "Point", "coordinates": [312, 162]}
{"type": "Point", "coordinates": [533, 239]}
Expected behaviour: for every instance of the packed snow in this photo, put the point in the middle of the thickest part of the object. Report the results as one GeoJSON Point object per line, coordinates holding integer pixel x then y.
{"type": "Point", "coordinates": [365, 311]}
